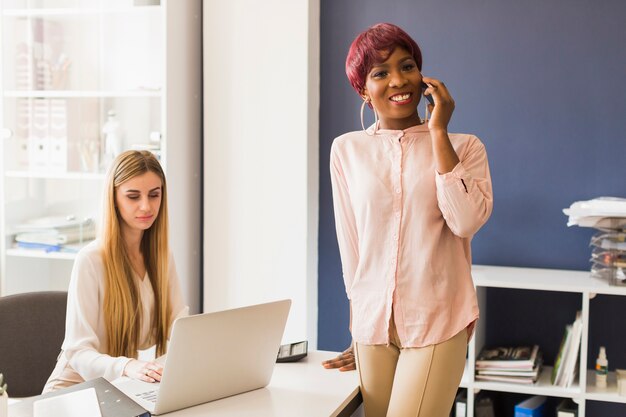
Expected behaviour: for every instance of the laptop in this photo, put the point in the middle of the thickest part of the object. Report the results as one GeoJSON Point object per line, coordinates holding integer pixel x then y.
{"type": "Point", "coordinates": [214, 355]}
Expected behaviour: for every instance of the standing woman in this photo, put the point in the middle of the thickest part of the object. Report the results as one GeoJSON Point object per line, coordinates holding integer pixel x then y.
{"type": "Point", "coordinates": [408, 197]}
{"type": "Point", "coordinates": [124, 292]}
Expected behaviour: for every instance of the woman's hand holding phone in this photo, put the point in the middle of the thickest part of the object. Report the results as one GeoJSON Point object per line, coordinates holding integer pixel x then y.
{"type": "Point", "coordinates": [441, 111]}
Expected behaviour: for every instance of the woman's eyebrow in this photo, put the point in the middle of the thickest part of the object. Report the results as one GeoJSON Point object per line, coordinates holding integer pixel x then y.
{"type": "Point", "coordinates": [138, 191]}
{"type": "Point", "coordinates": [381, 65]}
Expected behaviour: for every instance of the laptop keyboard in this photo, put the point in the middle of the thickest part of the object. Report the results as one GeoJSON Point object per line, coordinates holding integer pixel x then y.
{"type": "Point", "coordinates": [148, 395]}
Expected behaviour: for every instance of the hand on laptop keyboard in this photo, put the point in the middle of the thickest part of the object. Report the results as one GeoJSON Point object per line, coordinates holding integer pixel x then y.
{"type": "Point", "coordinates": [143, 371]}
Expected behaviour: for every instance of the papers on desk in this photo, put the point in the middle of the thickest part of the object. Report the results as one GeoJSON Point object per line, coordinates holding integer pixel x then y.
{"type": "Point", "coordinates": [83, 403]}
{"type": "Point", "coordinates": [110, 402]}
{"type": "Point", "coordinates": [602, 212]}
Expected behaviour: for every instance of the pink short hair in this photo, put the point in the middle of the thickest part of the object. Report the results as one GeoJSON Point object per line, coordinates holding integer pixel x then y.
{"type": "Point", "coordinates": [374, 46]}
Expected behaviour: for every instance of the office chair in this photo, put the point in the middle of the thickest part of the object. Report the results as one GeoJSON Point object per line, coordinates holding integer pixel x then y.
{"type": "Point", "coordinates": [32, 328]}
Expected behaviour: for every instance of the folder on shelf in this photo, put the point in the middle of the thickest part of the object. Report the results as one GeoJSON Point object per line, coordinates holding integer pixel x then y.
{"type": "Point", "coordinates": [532, 407]}
{"type": "Point", "coordinates": [557, 370]}
{"type": "Point", "coordinates": [565, 371]}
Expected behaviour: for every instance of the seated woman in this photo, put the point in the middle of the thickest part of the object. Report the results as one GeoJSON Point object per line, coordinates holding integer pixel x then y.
{"type": "Point", "coordinates": [124, 292]}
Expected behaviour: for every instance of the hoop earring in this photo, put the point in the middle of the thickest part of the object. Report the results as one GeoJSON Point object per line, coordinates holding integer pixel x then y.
{"type": "Point", "coordinates": [365, 101]}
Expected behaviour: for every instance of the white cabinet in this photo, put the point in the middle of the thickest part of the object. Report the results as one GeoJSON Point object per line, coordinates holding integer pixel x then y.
{"type": "Point", "coordinates": [82, 80]}
{"type": "Point", "coordinates": [578, 283]}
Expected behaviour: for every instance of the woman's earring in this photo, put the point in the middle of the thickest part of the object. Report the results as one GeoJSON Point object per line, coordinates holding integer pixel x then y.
{"type": "Point", "coordinates": [366, 100]}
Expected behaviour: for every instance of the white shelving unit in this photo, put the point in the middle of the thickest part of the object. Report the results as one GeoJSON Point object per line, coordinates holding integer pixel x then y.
{"type": "Point", "coordinates": [76, 60]}
{"type": "Point", "coordinates": [579, 282]}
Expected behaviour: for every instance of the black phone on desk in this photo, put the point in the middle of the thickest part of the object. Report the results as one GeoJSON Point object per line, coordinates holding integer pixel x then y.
{"type": "Point", "coordinates": [292, 352]}
{"type": "Point", "coordinates": [428, 97]}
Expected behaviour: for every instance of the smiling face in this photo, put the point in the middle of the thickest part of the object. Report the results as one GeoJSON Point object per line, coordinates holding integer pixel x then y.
{"type": "Point", "coordinates": [394, 88]}
{"type": "Point", "coordinates": [138, 202]}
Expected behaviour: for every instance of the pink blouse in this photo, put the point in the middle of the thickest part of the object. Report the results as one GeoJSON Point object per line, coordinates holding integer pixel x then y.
{"type": "Point", "coordinates": [404, 232]}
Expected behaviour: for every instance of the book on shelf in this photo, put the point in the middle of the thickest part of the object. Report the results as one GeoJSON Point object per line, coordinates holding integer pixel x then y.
{"type": "Point", "coordinates": [531, 407]}
{"type": "Point", "coordinates": [565, 371]}
{"type": "Point", "coordinates": [510, 357]}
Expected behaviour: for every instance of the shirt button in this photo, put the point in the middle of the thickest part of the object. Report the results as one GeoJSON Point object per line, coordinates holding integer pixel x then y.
{"type": "Point", "coordinates": [397, 215]}
{"type": "Point", "coordinates": [395, 237]}
{"type": "Point", "coordinates": [398, 191]}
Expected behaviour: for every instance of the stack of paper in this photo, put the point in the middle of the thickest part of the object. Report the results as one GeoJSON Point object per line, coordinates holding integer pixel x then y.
{"type": "Point", "coordinates": [520, 364]}
{"type": "Point", "coordinates": [608, 257]}
{"type": "Point", "coordinates": [83, 403]}
{"type": "Point", "coordinates": [602, 212]}
{"type": "Point", "coordinates": [53, 234]}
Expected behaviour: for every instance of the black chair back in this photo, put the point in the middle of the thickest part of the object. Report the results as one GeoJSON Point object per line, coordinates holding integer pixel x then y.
{"type": "Point", "coordinates": [32, 328]}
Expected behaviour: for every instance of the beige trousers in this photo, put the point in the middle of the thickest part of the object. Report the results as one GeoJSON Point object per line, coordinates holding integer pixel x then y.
{"type": "Point", "coordinates": [411, 382]}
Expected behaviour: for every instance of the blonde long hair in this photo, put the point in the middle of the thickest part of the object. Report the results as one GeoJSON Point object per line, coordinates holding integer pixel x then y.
{"type": "Point", "coordinates": [122, 305]}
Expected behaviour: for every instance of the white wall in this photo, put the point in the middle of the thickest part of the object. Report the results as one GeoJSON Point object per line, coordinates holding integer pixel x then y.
{"type": "Point", "coordinates": [261, 100]}
{"type": "Point", "coordinates": [182, 146]}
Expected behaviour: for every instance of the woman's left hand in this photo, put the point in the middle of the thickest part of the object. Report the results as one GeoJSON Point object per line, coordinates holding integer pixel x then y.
{"type": "Point", "coordinates": [345, 361]}
{"type": "Point", "coordinates": [441, 112]}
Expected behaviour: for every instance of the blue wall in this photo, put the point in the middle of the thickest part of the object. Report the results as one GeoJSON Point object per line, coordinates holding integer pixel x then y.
{"type": "Point", "coordinates": [542, 83]}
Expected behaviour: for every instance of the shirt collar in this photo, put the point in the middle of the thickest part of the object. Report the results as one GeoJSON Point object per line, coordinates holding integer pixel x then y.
{"type": "Point", "coordinates": [399, 133]}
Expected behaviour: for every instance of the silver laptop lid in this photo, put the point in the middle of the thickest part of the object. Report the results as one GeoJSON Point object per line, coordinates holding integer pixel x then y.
{"type": "Point", "coordinates": [216, 355]}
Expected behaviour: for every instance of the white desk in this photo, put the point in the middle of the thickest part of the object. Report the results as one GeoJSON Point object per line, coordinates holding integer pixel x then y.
{"type": "Point", "coordinates": [300, 389]}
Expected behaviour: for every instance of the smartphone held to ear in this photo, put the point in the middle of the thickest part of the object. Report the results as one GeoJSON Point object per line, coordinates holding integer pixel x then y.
{"type": "Point", "coordinates": [428, 97]}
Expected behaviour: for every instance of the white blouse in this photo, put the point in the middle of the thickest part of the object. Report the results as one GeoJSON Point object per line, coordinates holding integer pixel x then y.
{"type": "Point", "coordinates": [82, 356]}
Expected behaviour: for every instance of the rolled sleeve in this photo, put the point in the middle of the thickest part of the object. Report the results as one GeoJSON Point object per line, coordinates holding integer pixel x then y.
{"type": "Point", "coordinates": [464, 194]}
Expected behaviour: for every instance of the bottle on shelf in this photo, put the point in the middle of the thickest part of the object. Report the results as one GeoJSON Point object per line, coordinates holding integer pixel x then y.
{"type": "Point", "coordinates": [602, 368]}
{"type": "Point", "coordinates": [112, 138]}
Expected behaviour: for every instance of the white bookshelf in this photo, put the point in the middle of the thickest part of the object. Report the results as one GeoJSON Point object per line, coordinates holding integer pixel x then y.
{"type": "Point", "coordinates": [81, 94]}
{"type": "Point", "coordinates": [98, 55]}
{"type": "Point", "coordinates": [535, 279]}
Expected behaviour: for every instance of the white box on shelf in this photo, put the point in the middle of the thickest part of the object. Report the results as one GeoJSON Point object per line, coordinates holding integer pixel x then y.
{"type": "Point", "coordinates": [38, 149]}
{"type": "Point", "coordinates": [22, 153]}
{"type": "Point", "coordinates": [57, 155]}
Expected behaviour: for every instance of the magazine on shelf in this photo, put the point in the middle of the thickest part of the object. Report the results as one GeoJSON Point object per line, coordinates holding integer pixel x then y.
{"type": "Point", "coordinates": [513, 357]}
{"type": "Point", "coordinates": [516, 372]}
{"type": "Point", "coordinates": [508, 379]}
